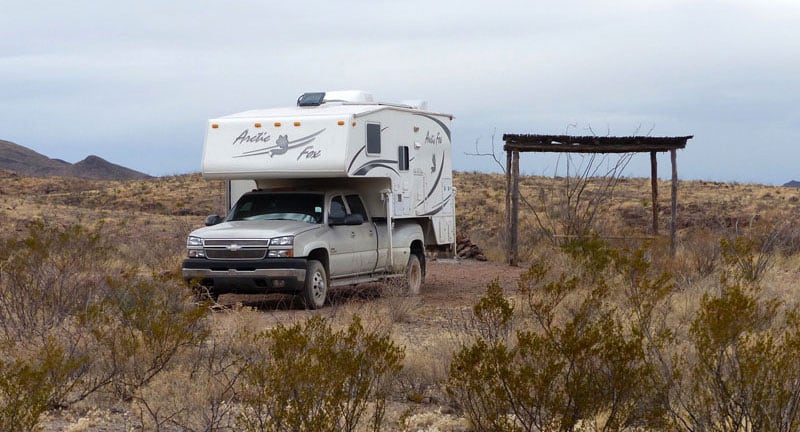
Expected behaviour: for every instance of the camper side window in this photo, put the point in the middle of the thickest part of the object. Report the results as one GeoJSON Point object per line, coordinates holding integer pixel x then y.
{"type": "Point", "coordinates": [373, 138]}
{"type": "Point", "coordinates": [402, 158]}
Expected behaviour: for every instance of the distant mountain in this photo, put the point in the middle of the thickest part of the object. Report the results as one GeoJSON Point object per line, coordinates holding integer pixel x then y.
{"type": "Point", "coordinates": [14, 157]}
{"type": "Point", "coordinates": [793, 183]}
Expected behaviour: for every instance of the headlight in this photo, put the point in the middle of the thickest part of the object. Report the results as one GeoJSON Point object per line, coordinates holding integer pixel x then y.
{"type": "Point", "coordinates": [193, 241]}
{"type": "Point", "coordinates": [282, 241]}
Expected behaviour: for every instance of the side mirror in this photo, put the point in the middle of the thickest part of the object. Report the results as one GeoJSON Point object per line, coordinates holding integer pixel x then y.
{"type": "Point", "coordinates": [213, 220]}
{"type": "Point", "coordinates": [336, 216]}
{"type": "Point", "coordinates": [353, 219]}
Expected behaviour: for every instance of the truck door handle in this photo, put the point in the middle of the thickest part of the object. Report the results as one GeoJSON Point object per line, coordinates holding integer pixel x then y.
{"type": "Point", "coordinates": [352, 234]}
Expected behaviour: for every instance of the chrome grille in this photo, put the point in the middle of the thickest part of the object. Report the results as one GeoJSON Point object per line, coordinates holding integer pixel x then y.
{"type": "Point", "coordinates": [239, 254]}
{"type": "Point", "coordinates": [243, 243]}
{"type": "Point", "coordinates": [236, 249]}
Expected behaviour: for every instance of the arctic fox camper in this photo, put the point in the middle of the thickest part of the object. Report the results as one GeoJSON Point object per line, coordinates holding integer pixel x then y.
{"type": "Point", "coordinates": [336, 190]}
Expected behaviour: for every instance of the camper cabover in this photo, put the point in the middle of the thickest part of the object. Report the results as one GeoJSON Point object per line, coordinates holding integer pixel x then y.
{"type": "Point", "coordinates": [335, 190]}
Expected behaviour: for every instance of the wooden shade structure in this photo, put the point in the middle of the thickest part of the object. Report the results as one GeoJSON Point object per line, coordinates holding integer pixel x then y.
{"type": "Point", "coordinates": [514, 144]}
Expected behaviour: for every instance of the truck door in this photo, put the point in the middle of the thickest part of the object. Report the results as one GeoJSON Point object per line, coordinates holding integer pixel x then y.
{"type": "Point", "coordinates": [366, 247]}
{"type": "Point", "coordinates": [343, 239]}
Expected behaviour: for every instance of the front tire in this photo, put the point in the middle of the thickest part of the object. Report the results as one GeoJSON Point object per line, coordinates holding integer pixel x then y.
{"type": "Point", "coordinates": [315, 290]}
{"type": "Point", "coordinates": [414, 277]}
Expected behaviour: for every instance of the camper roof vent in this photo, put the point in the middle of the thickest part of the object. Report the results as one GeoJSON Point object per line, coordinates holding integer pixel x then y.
{"type": "Point", "coordinates": [349, 96]}
{"type": "Point", "coordinates": [416, 104]}
{"type": "Point", "coordinates": [311, 99]}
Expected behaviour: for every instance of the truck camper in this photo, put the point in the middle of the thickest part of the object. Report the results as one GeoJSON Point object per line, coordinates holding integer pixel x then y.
{"type": "Point", "coordinates": [337, 190]}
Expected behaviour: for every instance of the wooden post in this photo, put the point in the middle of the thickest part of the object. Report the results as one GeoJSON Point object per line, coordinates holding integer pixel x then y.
{"type": "Point", "coordinates": [654, 187]}
{"type": "Point", "coordinates": [673, 224]}
{"type": "Point", "coordinates": [508, 197]}
{"type": "Point", "coordinates": [514, 255]}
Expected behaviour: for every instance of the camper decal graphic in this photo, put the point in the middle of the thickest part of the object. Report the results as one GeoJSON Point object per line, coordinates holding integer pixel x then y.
{"type": "Point", "coordinates": [380, 163]}
{"type": "Point", "coordinates": [369, 166]}
{"type": "Point", "coordinates": [282, 145]}
{"type": "Point", "coordinates": [439, 207]}
{"type": "Point", "coordinates": [436, 183]}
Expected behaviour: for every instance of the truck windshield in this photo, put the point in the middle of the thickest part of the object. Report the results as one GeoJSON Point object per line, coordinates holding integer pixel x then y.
{"type": "Point", "coordinates": [302, 207]}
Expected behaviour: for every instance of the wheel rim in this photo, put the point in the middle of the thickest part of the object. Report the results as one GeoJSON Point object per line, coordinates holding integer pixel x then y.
{"type": "Point", "coordinates": [318, 288]}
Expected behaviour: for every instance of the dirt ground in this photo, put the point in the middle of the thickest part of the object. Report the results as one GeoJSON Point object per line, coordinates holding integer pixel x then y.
{"type": "Point", "coordinates": [427, 326]}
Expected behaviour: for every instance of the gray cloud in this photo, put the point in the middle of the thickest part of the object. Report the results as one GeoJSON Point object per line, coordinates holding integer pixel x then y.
{"type": "Point", "coordinates": [134, 82]}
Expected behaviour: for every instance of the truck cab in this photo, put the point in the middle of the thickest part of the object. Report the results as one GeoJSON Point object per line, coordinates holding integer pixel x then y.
{"type": "Point", "coordinates": [297, 242]}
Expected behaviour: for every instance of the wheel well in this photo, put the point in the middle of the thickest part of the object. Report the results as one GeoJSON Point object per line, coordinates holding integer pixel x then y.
{"type": "Point", "coordinates": [418, 249]}
{"type": "Point", "coordinates": [321, 255]}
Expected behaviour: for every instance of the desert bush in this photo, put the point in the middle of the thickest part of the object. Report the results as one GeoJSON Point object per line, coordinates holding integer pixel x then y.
{"type": "Point", "coordinates": [741, 367]}
{"type": "Point", "coordinates": [200, 391]}
{"type": "Point", "coordinates": [746, 260]}
{"type": "Point", "coordinates": [140, 327]}
{"type": "Point", "coordinates": [308, 377]}
{"type": "Point", "coordinates": [27, 385]}
{"type": "Point", "coordinates": [48, 278]}
{"type": "Point", "coordinates": [68, 330]}
{"type": "Point", "coordinates": [588, 355]}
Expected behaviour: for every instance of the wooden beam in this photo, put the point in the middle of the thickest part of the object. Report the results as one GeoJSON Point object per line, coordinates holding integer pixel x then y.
{"type": "Point", "coordinates": [588, 148]}
{"type": "Point", "coordinates": [514, 257]}
{"type": "Point", "coordinates": [674, 223]}
{"type": "Point", "coordinates": [654, 187]}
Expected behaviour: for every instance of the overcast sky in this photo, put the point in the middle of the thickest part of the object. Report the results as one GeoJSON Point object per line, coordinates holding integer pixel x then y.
{"type": "Point", "coordinates": [134, 82]}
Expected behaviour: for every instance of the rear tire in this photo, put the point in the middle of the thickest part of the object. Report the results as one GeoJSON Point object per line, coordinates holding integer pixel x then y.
{"type": "Point", "coordinates": [414, 277]}
{"type": "Point", "coordinates": [315, 290]}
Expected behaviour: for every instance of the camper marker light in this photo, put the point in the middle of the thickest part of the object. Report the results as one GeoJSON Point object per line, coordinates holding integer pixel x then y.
{"type": "Point", "coordinates": [297, 123]}
{"type": "Point", "coordinates": [277, 124]}
{"type": "Point", "coordinates": [340, 123]}
{"type": "Point", "coordinates": [258, 125]}
{"type": "Point", "coordinates": [214, 126]}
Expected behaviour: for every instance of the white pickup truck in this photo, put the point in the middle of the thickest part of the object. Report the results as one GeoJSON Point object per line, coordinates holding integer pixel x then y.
{"type": "Point", "coordinates": [301, 243]}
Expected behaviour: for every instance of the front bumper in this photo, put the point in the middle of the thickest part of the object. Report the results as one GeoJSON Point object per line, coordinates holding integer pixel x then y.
{"type": "Point", "coordinates": [247, 276]}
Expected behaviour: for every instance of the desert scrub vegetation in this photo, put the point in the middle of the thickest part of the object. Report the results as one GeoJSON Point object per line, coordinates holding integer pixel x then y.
{"type": "Point", "coordinates": [78, 328]}
{"type": "Point", "coordinates": [69, 329]}
{"type": "Point", "coordinates": [592, 348]}
{"type": "Point", "coordinates": [309, 377]}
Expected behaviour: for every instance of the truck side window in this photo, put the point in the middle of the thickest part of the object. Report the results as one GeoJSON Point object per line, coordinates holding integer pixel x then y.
{"type": "Point", "coordinates": [356, 206]}
{"type": "Point", "coordinates": [373, 138]}
{"type": "Point", "coordinates": [337, 211]}
{"type": "Point", "coordinates": [402, 158]}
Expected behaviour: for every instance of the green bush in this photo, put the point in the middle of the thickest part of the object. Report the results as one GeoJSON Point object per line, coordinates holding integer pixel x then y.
{"type": "Point", "coordinates": [744, 373]}
{"type": "Point", "coordinates": [308, 377]}
{"type": "Point", "coordinates": [578, 361]}
{"type": "Point", "coordinates": [140, 327]}
{"type": "Point", "coordinates": [67, 330]}
{"type": "Point", "coordinates": [27, 385]}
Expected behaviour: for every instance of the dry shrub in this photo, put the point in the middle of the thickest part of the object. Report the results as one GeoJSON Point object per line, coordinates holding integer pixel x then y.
{"type": "Point", "coordinates": [69, 331]}
{"type": "Point", "coordinates": [141, 326]}
{"type": "Point", "coordinates": [743, 373]}
{"type": "Point", "coordinates": [401, 306]}
{"type": "Point", "coordinates": [47, 280]}
{"type": "Point", "coordinates": [308, 377]}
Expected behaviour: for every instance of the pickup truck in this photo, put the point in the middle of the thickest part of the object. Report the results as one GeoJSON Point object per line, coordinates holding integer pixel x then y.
{"type": "Point", "coordinates": [301, 242]}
